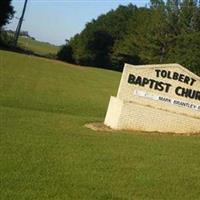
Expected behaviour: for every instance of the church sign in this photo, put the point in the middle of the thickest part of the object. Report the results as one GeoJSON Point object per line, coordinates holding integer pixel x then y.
{"type": "Point", "coordinates": [162, 98]}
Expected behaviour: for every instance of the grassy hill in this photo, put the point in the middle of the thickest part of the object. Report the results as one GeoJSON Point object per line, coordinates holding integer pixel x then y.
{"type": "Point", "coordinates": [30, 44]}
{"type": "Point", "coordinates": [47, 153]}
{"type": "Point", "coordinates": [40, 48]}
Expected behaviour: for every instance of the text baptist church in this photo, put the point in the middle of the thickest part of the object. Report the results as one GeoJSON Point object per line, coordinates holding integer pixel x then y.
{"type": "Point", "coordinates": [165, 87]}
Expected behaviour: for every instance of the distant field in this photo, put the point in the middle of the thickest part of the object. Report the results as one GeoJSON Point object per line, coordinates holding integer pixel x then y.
{"type": "Point", "coordinates": [40, 48]}
{"type": "Point", "coordinates": [47, 153]}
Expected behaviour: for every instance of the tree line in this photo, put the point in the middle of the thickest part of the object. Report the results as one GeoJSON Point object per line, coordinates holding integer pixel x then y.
{"type": "Point", "coordinates": [164, 32]}
{"type": "Point", "coordinates": [6, 14]}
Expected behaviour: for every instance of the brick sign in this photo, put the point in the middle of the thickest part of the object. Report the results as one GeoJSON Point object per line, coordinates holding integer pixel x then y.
{"type": "Point", "coordinates": [163, 98]}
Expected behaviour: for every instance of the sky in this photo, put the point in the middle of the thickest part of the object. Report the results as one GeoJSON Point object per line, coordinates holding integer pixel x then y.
{"type": "Point", "coordinates": [55, 21]}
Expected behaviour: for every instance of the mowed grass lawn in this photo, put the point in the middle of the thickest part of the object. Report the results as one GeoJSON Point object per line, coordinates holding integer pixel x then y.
{"type": "Point", "coordinates": [47, 153]}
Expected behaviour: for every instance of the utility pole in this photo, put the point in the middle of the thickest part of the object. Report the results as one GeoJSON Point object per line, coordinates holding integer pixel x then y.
{"type": "Point", "coordinates": [20, 24]}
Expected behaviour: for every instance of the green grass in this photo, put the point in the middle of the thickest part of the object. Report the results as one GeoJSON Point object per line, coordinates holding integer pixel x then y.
{"type": "Point", "coordinates": [47, 153]}
{"type": "Point", "coordinates": [40, 48]}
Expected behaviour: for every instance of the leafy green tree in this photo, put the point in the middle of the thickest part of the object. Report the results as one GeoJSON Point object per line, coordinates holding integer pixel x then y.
{"type": "Point", "coordinates": [189, 16]}
{"type": "Point", "coordinates": [100, 45]}
{"type": "Point", "coordinates": [93, 46]}
{"type": "Point", "coordinates": [167, 31]}
{"type": "Point", "coordinates": [130, 49]}
{"type": "Point", "coordinates": [187, 51]}
{"type": "Point", "coordinates": [66, 53]}
{"type": "Point", "coordinates": [6, 12]}
{"type": "Point", "coordinates": [147, 40]}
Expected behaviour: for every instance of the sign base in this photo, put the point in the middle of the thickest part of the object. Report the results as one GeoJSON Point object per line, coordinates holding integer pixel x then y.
{"type": "Point", "coordinates": [129, 115]}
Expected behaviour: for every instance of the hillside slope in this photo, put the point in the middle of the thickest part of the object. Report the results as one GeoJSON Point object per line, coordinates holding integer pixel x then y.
{"type": "Point", "coordinates": [39, 48]}
{"type": "Point", "coordinates": [47, 153]}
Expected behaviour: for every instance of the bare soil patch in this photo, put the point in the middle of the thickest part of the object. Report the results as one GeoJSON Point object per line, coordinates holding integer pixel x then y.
{"type": "Point", "coordinates": [98, 126]}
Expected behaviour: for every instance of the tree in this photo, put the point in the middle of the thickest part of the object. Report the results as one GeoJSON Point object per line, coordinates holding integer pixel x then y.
{"type": "Point", "coordinates": [166, 31]}
{"type": "Point", "coordinates": [100, 45]}
{"type": "Point", "coordinates": [93, 46]}
{"type": "Point", "coordinates": [189, 16]}
{"type": "Point", "coordinates": [186, 51]}
{"type": "Point", "coordinates": [6, 12]}
{"type": "Point", "coordinates": [66, 53]}
{"type": "Point", "coordinates": [131, 48]}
